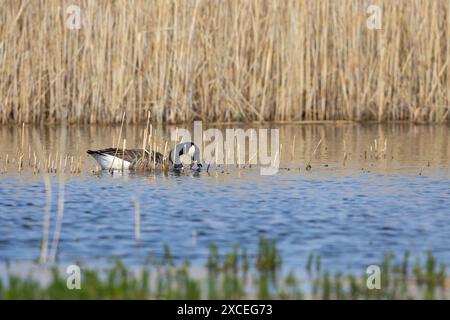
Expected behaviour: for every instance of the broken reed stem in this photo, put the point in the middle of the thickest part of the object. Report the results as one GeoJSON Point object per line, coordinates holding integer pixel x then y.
{"type": "Point", "coordinates": [421, 169]}
{"type": "Point", "coordinates": [308, 165]}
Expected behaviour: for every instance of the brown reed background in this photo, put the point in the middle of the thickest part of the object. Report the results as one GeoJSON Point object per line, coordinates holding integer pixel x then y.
{"type": "Point", "coordinates": [224, 60]}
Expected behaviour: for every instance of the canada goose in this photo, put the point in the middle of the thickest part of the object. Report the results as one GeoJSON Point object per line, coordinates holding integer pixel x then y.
{"type": "Point", "coordinates": [132, 159]}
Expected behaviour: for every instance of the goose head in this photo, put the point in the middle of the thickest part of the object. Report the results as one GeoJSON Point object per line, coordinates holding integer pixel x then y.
{"type": "Point", "coordinates": [186, 148]}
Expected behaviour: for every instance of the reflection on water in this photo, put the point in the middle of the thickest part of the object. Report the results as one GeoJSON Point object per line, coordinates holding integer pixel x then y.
{"type": "Point", "coordinates": [351, 207]}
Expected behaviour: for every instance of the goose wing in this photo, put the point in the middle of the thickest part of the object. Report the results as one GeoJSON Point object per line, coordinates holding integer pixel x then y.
{"type": "Point", "coordinates": [130, 155]}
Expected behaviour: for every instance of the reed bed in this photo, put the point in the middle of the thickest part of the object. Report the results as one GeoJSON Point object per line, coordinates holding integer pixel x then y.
{"type": "Point", "coordinates": [258, 60]}
{"type": "Point", "coordinates": [238, 275]}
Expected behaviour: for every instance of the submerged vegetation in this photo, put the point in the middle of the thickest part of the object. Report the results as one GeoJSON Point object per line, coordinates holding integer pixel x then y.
{"type": "Point", "coordinates": [236, 275]}
{"type": "Point", "coordinates": [256, 60]}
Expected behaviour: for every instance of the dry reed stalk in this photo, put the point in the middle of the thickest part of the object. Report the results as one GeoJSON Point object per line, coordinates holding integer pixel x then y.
{"type": "Point", "coordinates": [165, 161]}
{"type": "Point", "coordinates": [79, 164]}
{"type": "Point", "coordinates": [48, 203]}
{"type": "Point", "coordinates": [22, 138]}
{"type": "Point", "coordinates": [29, 155]}
{"type": "Point", "coordinates": [6, 163]}
{"type": "Point", "coordinates": [224, 61]}
{"type": "Point", "coordinates": [137, 220]}
{"type": "Point", "coordinates": [345, 153]}
{"type": "Point", "coordinates": [216, 155]}
{"type": "Point", "coordinates": [165, 149]}
{"type": "Point", "coordinates": [278, 154]}
{"type": "Point", "coordinates": [124, 147]}
{"type": "Point", "coordinates": [143, 150]}
{"type": "Point", "coordinates": [34, 163]}
{"type": "Point", "coordinates": [20, 163]}
{"type": "Point", "coordinates": [49, 162]}
{"type": "Point", "coordinates": [60, 203]}
{"type": "Point", "coordinates": [150, 137]}
{"type": "Point", "coordinates": [154, 158]}
{"type": "Point", "coordinates": [293, 149]}
{"type": "Point", "coordinates": [55, 162]}
{"type": "Point", "coordinates": [226, 161]}
{"type": "Point", "coordinates": [118, 141]}
{"type": "Point", "coordinates": [71, 165]}
{"type": "Point", "coordinates": [144, 141]}
{"type": "Point", "coordinates": [65, 162]}
{"type": "Point", "coordinates": [238, 158]}
{"type": "Point", "coordinates": [280, 151]}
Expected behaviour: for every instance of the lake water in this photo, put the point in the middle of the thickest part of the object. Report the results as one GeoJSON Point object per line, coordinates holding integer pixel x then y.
{"type": "Point", "coordinates": [351, 208]}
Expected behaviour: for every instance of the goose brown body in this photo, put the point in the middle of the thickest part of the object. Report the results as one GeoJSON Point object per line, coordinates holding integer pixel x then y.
{"type": "Point", "coordinates": [135, 159]}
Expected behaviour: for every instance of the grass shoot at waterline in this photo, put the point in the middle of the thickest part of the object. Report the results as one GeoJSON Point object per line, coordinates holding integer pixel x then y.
{"type": "Point", "coordinates": [236, 275]}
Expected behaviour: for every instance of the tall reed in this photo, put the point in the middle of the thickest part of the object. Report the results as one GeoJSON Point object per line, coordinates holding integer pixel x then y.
{"type": "Point", "coordinates": [230, 60]}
